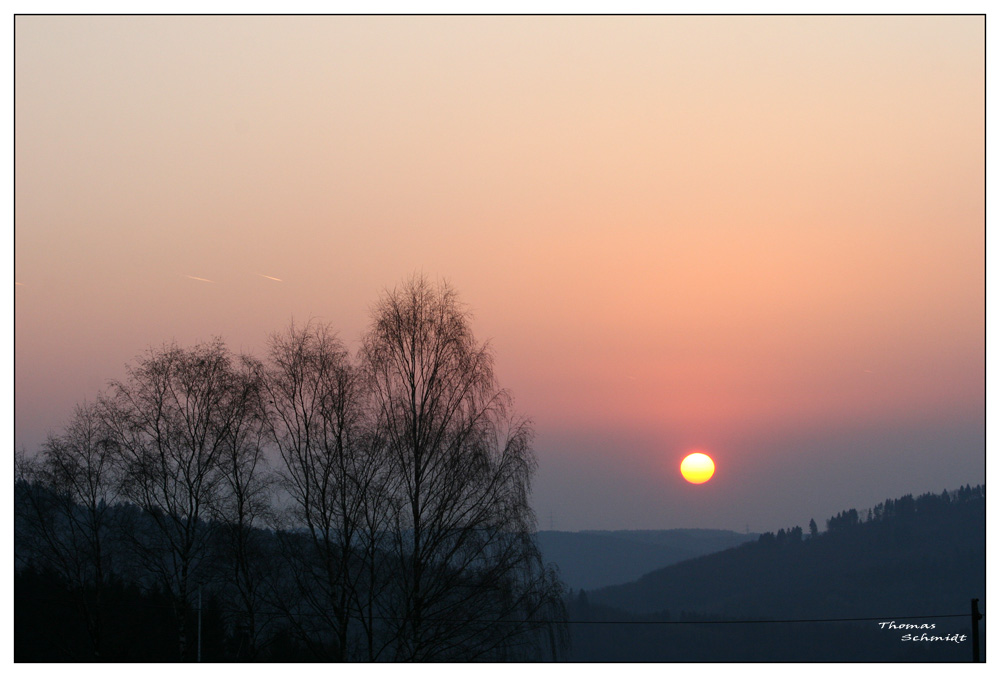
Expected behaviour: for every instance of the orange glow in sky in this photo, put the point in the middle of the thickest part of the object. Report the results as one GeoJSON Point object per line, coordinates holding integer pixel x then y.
{"type": "Point", "coordinates": [743, 232]}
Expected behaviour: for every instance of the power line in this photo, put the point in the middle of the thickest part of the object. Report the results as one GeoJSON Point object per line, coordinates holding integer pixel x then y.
{"type": "Point", "coordinates": [317, 614]}
{"type": "Point", "coordinates": [765, 620]}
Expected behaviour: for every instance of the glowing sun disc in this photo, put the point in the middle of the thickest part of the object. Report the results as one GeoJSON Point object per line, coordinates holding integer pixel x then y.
{"type": "Point", "coordinates": [697, 468]}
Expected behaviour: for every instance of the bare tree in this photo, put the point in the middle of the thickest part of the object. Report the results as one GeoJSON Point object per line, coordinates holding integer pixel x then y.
{"type": "Point", "coordinates": [405, 531]}
{"type": "Point", "coordinates": [173, 419]}
{"type": "Point", "coordinates": [65, 500]}
{"type": "Point", "coordinates": [242, 508]}
{"type": "Point", "coordinates": [330, 472]}
{"type": "Point", "coordinates": [470, 581]}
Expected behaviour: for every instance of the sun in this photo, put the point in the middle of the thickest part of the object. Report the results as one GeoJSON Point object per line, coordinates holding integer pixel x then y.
{"type": "Point", "coordinates": [697, 468]}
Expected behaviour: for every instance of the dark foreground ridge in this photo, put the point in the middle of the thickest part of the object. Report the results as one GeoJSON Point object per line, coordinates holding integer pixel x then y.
{"type": "Point", "coordinates": [312, 504]}
{"type": "Point", "coordinates": [907, 562]}
{"type": "Point", "coordinates": [893, 586]}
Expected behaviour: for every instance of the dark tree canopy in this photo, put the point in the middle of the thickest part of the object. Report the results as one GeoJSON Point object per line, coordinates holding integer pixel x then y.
{"type": "Point", "coordinates": [368, 507]}
{"type": "Point", "coordinates": [461, 464]}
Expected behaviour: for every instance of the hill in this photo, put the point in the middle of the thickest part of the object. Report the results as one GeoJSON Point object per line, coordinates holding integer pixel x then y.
{"type": "Point", "coordinates": [594, 559]}
{"type": "Point", "coordinates": [908, 557]}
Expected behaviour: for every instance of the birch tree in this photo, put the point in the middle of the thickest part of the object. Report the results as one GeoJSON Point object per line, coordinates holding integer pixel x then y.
{"type": "Point", "coordinates": [172, 418]}
{"type": "Point", "coordinates": [64, 504]}
{"type": "Point", "coordinates": [470, 580]}
{"type": "Point", "coordinates": [330, 470]}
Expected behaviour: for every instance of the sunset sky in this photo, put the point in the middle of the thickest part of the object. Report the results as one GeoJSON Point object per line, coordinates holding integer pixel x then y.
{"type": "Point", "coordinates": [760, 237]}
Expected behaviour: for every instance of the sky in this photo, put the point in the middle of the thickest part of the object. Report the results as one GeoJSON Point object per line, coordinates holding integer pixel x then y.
{"type": "Point", "coordinates": [761, 237]}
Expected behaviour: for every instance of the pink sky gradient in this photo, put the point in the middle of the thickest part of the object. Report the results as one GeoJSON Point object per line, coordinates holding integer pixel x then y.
{"type": "Point", "coordinates": [759, 236]}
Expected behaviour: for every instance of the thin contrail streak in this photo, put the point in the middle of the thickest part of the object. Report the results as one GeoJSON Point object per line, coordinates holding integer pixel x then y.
{"type": "Point", "coordinates": [200, 279]}
{"type": "Point", "coordinates": [270, 278]}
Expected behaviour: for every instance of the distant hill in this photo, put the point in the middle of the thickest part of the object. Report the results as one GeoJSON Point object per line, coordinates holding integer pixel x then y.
{"type": "Point", "coordinates": [907, 557]}
{"type": "Point", "coordinates": [593, 559]}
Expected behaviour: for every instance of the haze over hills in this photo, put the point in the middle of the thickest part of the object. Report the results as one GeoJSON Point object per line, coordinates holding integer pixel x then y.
{"type": "Point", "coordinates": [908, 557]}
{"type": "Point", "coordinates": [780, 597]}
{"type": "Point", "coordinates": [594, 559]}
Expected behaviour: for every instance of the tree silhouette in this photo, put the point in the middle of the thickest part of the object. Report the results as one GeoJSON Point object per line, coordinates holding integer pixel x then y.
{"type": "Point", "coordinates": [471, 580]}
{"type": "Point", "coordinates": [331, 469]}
{"type": "Point", "coordinates": [243, 502]}
{"type": "Point", "coordinates": [67, 493]}
{"type": "Point", "coordinates": [172, 419]}
{"type": "Point", "coordinates": [399, 498]}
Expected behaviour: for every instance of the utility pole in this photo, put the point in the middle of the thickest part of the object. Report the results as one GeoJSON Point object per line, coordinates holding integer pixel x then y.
{"type": "Point", "coordinates": [199, 624]}
{"type": "Point", "coordinates": [975, 630]}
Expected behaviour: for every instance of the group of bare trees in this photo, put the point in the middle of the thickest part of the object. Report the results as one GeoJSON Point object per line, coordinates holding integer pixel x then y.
{"type": "Point", "coordinates": [375, 506]}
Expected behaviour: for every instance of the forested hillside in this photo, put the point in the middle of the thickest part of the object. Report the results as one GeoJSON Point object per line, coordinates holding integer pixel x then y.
{"type": "Point", "coordinates": [61, 614]}
{"type": "Point", "coordinates": [307, 505]}
{"type": "Point", "coordinates": [906, 557]}
{"type": "Point", "coordinates": [595, 559]}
